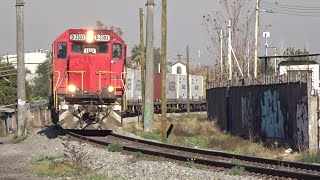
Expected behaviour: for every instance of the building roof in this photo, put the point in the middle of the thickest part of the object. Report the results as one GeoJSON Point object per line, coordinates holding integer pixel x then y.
{"type": "Point", "coordinates": [292, 63]}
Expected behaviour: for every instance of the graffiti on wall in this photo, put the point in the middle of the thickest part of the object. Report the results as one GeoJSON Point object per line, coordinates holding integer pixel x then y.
{"type": "Point", "coordinates": [272, 117]}
{"type": "Point", "coordinates": [302, 123]}
{"type": "Point", "coordinates": [246, 113]}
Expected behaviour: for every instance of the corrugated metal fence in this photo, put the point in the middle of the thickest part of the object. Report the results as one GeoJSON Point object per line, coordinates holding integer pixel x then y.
{"type": "Point", "coordinates": [277, 112]}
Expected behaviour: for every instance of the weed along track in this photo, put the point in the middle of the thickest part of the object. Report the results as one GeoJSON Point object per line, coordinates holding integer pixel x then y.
{"type": "Point", "coordinates": [213, 159]}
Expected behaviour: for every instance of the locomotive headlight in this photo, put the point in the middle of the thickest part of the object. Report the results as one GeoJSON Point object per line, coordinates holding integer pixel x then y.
{"type": "Point", "coordinates": [110, 89]}
{"type": "Point", "coordinates": [90, 36]}
{"type": "Point", "coordinates": [72, 88]}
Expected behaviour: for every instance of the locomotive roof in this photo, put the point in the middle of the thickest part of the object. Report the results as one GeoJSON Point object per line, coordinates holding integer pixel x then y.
{"type": "Point", "coordinates": [68, 31]}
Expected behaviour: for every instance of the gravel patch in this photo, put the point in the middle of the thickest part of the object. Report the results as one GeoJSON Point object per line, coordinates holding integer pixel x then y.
{"type": "Point", "coordinates": [15, 160]}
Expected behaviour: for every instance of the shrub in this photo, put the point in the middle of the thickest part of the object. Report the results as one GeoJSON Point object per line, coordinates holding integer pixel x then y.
{"type": "Point", "coordinates": [115, 147]}
{"type": "Point", "coordinates": [18, 139]}
{"type": "Point", "coordinates": [138, 155]}
{"type": "Point", "coordinates": [75, 155]}
{"type": "Point", "coordinates": [237, 170]}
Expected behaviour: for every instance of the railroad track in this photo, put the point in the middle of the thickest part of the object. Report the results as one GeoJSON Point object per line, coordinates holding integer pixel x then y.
{"type": "Point", "coordinates": [254, 165]}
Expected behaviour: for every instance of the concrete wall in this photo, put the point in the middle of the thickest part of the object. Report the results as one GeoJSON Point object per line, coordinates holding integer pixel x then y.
{"type": "Point", "coordinates": [284, 112]}
{"type": "Point", "coordinates": [38, 115]}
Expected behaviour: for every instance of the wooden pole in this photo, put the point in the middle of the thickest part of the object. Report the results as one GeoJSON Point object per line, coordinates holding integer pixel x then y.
{"type": "Point", "coordinates": [188, 82]}
{"type": "Point", "coordinates": [142, 63]}
{"type": "Point", "coordinates": [164, 70]}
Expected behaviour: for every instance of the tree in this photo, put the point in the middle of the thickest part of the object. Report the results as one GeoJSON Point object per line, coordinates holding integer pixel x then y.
{"type": "Point", "coordinates": [292, 51]}
{"type": "Point", "coordinates": [117, 30]}
{"type": "Point", "coordinates": [136, 57]}
{"type": "Point", "coordinates": [241, 13]}
{"type": "Point", "coordinates": [8, 84]}
{"type": "Point", "coordinates": [41, 87]}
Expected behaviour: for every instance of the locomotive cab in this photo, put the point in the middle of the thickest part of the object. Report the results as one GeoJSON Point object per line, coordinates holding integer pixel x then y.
{"type": "Point", "coordinates": [87, 75]}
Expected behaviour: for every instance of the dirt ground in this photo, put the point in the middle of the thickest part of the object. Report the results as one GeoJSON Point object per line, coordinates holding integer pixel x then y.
{"type": "Point", "coordinates": [15, 158]}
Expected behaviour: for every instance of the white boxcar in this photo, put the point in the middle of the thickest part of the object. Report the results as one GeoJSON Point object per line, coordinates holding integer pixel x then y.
{"type": "Point", "coordinates": [196, 87]}
{"type": "Point", "coordinates": [182, 87]}
{"type": "Point", "coordinates": [137, 84]}
{"type": "Point", "coordinates": [172, 86]}
{"type": "Point", "coordinates": [129, 84]}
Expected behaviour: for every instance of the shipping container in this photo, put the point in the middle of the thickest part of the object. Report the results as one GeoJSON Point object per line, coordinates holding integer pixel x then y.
{"type": "Point", "coordinates": [182, 87]}
{"type": "Point", "coordinates": [196, 87]}
{"type": "Point", "coordinates": [137, 84]}
{"type": "Point", "coordinates": [129, 84]}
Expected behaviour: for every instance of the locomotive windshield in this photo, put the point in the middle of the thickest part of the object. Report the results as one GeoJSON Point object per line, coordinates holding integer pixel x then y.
{"type": "Point", "coordinates": [85, 48]}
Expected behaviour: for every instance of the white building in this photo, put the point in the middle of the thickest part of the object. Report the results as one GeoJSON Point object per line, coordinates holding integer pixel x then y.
{"type": "Point", "coordinates": [300, 66]}
{"type": "Point", "coordinates": [179, 68]}
{"type": "Point", "coordinates": [31, 59]}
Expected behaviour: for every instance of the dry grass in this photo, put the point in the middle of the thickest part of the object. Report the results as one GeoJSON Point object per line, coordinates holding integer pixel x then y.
{"type": "Point", "coordinates": [196, 131]}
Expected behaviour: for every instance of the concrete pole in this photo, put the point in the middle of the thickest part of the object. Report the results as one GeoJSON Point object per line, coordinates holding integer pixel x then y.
{"type": "Point", "coordinates": [221, 55]}
{"type": "Point", "coordinates": [149, 92]}
{"type": "Point", "coordinates": [21, 68]}
{"type": "Point", "coordinates": [229, 51]}
{"type": "Point", "coordinates": [275, 61]}
{"type": "Point", "coordinates": [164, 70]}
{"type": "Point", "coordinates": [188, 82]}
{"type": "Point", "coordinates": [248, 59]}
{"type": "Point", "coordinates": [256, 40]}
{"type": "Point", "coordinates": [142, 62]}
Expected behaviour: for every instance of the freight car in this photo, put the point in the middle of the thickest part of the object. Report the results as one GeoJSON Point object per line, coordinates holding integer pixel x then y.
{"type": "Point", "coordinates": [176, 92]}
{"type": "Point", "coordinates": [86, 76]}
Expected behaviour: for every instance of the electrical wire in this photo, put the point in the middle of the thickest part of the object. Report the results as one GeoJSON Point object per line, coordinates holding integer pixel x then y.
{"type": "Point", "coordinates": [302, 11]}
{"type": "Point", "coordinates": [289, 10]}
{"type": "Point", "coordinates": [290, 6]}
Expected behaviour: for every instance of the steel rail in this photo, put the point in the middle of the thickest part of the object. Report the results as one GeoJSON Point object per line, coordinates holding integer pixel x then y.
{"type": "Point", "coordinates": [290, 164]}
{"type": "Point", "coordinates": [248, 168]}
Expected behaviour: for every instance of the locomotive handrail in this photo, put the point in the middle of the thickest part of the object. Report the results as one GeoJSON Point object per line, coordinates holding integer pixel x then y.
{"type": "Point", "coordinates": [122, 77]}
{"type": "Point", "coordinates": [59, 74]}
{"type": "Point", "coordinates": [107, 72]}
{"type": "Point", "coordinates": [81, 72]}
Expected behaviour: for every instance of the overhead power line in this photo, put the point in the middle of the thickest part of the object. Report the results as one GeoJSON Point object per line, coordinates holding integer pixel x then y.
{"type": "Point", "coordinates": [290, 10]}
{"type": "Point", "coordinates": [291, 6]}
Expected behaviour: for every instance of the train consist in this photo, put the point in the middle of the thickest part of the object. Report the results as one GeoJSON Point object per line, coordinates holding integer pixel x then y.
{"type": "Point", "coordinates": [88, 66]}
{"type": "Point", "coordinates": [89, 81]}
{"type": "Point", "coordinates": [176, 92]}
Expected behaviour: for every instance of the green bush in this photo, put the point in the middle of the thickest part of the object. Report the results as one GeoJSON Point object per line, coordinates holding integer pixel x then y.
{"type": "Point", "coordinates": [115, 147]}
{"type": "Point", "coordinates": [237, 170]}
{"type": "Point", "coordinates": [138, 155]}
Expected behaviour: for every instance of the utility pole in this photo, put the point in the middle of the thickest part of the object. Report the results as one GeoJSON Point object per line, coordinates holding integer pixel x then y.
{"type": "Point", "coordinates": [149, 90]}
{"type": "Point", "coordinates": [188, 82]}
{"type": "Point", "coordinates": [221, 55]}
{"type": "Point", "coordinates": [142, 63]}
{"type": "Point", "coordinates": [256, 40]}
{"type": "Point", "coordinates": [275, 61]}
{"type": "Point", "coordinates": [164, 70]}
{"type": "Point", "coordinates": [21, 68]}
{"type": "Point", "coordinates": [248, 59]}
{"type": "Point", "coordinates": [229, 51]}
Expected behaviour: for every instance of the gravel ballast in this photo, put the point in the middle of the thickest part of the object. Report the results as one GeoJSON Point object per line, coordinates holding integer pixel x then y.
{"type": "Point", "coordinates": [15, 161]}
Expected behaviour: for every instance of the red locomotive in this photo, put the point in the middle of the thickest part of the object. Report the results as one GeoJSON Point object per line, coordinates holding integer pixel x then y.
{"type": "Point", "coordinates": [88, 67]}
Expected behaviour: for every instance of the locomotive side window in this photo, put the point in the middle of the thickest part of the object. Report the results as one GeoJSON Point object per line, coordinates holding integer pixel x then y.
{"type": "Point", "coordinates": [62, 50]}
{"type": "Point", "coordinates": [117, 50]}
